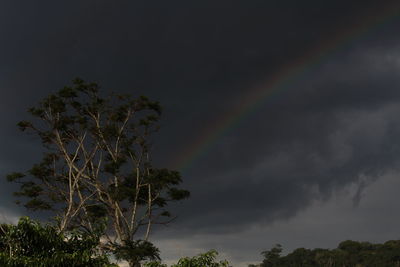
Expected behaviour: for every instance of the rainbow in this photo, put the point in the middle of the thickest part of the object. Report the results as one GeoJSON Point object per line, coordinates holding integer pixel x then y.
{"type": "Point", "coordinates": [279, 82]}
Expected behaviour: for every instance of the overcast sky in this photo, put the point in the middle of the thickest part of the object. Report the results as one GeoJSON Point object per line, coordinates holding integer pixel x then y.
{"type": "Point", "coordinates": [313, 163]}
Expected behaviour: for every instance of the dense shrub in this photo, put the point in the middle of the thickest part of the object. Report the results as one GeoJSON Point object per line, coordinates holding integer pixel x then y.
{"type": "Point", "coordinates": [29, 244]}
{"type": "Point", "coordinates": [207, 259]}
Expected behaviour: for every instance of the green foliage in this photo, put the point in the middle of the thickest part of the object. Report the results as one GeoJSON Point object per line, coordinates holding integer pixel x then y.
{"type": "Point", "coordinates": [137, 251]}
{"type": "Point", "coordinates": [30, 244]}
{"type": "Point", "coordinates": [271, 257]}
{"type": "Point", "coordinates": [207, 259]}
{"type": "Point", "coordinates": [348, 253]}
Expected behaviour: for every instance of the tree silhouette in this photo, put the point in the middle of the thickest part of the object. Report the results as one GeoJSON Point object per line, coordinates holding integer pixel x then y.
{"type": "Point", "coordinates": [96, 170]}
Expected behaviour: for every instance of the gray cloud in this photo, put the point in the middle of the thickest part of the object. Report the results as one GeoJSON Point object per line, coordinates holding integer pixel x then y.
{"type": "Point", "coordinates": [340, 134]}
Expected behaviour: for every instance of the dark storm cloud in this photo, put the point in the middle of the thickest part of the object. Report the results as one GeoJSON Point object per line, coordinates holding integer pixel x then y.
{"type": "Point", "coordinates": [336, 125]}
{"type": "Point", "coordinates": [335, 128]}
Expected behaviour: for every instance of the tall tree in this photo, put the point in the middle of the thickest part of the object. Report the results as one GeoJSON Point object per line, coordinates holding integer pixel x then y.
{"type": "Point", "coordinates": [96, 170]}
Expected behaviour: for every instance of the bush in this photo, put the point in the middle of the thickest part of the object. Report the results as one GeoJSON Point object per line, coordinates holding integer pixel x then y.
{"type": "Point", "coordinates": [30, 244]}
{"type": "Point", "coordinates": [207, 259]}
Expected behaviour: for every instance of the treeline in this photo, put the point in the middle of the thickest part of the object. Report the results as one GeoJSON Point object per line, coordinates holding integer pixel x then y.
{"type": "Point", "coordinates": [347, 254]}
{"type": "Point", "coordinates": [30, 244]}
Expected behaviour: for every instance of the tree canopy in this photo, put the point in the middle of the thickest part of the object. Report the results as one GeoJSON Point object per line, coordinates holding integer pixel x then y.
{"type": "Point", "coordinates": [348, 253]}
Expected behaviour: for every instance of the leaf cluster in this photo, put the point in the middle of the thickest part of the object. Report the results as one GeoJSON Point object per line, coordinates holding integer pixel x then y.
{"type": "Point", "coordinates": [136, 251]}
